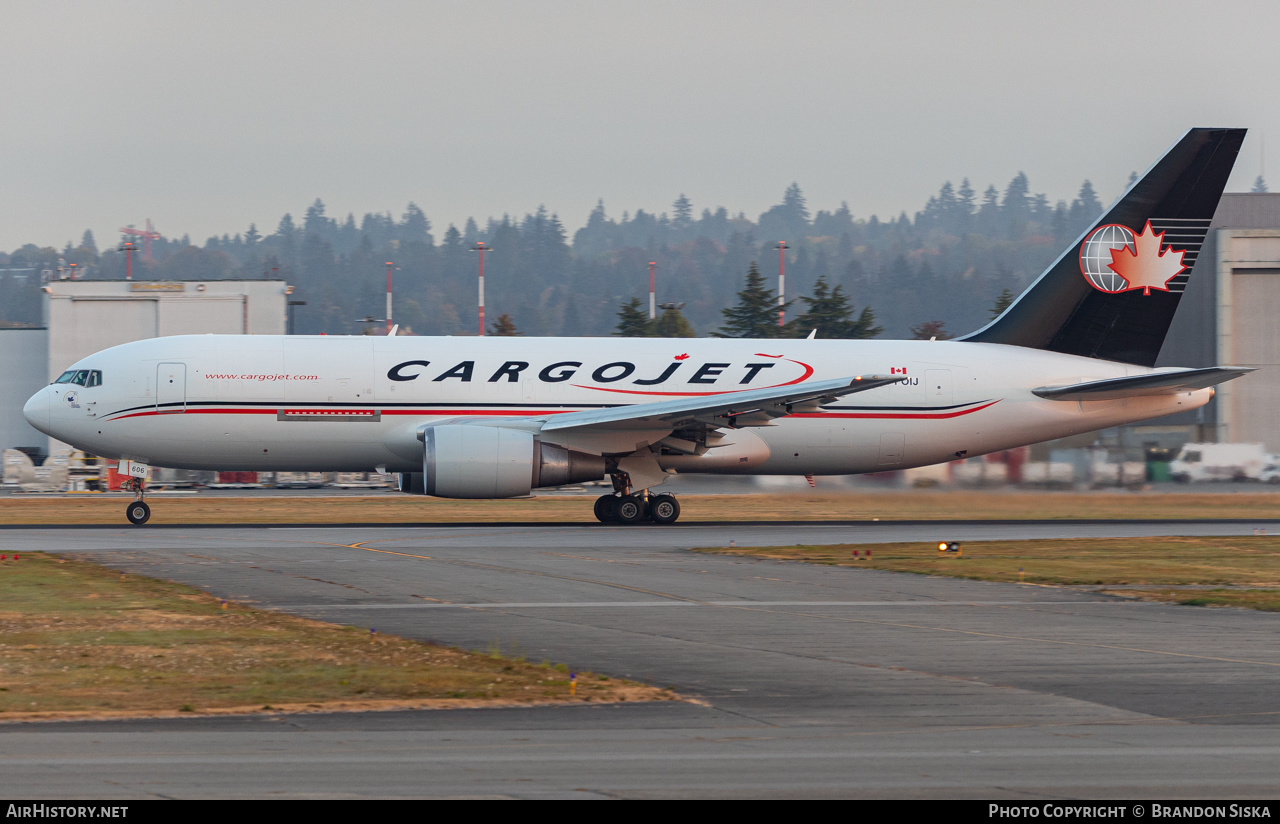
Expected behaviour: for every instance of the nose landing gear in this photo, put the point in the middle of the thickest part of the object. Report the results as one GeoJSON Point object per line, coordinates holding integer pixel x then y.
{"type": "Point", "coordinates": [138, 512]}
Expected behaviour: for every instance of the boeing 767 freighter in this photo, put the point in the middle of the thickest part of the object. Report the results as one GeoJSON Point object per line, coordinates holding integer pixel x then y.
{"type": "Point", "coordinates": [493, 417]}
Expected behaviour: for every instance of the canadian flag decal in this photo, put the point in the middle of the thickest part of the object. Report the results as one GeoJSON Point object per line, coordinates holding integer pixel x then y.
{"type": "Point", "coordinates": [893, 370]}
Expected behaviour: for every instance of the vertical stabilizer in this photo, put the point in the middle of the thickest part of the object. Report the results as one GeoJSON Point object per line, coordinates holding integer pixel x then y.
{"type": "Point", "coordinates": [1112, 294]}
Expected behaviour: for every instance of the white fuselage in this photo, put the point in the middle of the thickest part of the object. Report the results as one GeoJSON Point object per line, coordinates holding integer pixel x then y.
{"type": "Point", "coordinates": [338, 403]}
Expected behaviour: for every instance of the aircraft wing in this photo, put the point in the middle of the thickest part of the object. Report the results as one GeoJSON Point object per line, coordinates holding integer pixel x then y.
{"type": "Point", "coordinates": [752, 407]}
{"type": "Point", "coordinates": [1155, 383]}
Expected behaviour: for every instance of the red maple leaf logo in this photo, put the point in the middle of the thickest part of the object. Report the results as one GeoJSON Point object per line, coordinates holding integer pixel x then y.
{"type": "Point", "coordinates": [1147, 266]}
{"type": "Point", "coordinates": [682, 357]}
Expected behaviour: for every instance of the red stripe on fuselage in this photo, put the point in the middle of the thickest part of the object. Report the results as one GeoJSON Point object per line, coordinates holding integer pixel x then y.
{"type": "Point", "coordinates": [897, 416]}
{"type": "Point", "coordinates": [524, 413]}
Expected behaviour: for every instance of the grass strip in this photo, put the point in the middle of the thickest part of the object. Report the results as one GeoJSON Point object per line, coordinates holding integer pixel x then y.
{"type": "Point", "coordinates": [1265, 600]}
{"type": "Point", "coordinates": [78, 638]}
{"type": "Point", "coordinates": [390, 507]}
{"type": "Point", "coordinates": [1230, 571]}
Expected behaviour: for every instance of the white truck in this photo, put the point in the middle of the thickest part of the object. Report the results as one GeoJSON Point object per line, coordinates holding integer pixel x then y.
{"type": "Point", "coordinates": [1220, 462]}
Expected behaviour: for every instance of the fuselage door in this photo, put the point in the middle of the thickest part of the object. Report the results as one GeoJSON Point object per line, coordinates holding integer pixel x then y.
{"type": "Point", "coordinates": [171, 387]}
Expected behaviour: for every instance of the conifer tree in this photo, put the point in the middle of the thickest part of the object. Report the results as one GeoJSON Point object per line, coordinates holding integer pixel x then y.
{"type": "Point", "coordinates": [682, 211]}
{"type": "Point", "coordinates": [865, 326]}
{"type": "Point", "coordinates": [830, 313]}
{"type": "Point", "coordinates": [633, 322]}
{"type": "Point", "coordinates": [672, 323]}
{"type": "Point", "coordinates": [989, 211]}
{"type": "Point", "coordinates": [1085, 208]}
{"type": "Point", "coordinates": [1002, 303]}
{"type": "Point", "coordinates": [794, 202]}
{"type": "Point", "coordinates": [756, 314]}
{"type": "Point", "coordinates": [1016, 204]}
{"type": "Point", "coordinates": [965, 201]}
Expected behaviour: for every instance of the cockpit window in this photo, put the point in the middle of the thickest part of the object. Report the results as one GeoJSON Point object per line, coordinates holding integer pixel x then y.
{"type": "Point", "coordinates": [81, 377]}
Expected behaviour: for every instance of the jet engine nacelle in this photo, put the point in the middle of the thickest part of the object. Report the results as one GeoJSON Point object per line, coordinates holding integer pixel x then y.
{"type": "Point", "coordinates": [460, 461]}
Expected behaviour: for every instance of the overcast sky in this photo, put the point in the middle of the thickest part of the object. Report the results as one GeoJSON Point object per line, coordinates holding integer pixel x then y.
{"type": "Point", "coordinates": [206, 116]}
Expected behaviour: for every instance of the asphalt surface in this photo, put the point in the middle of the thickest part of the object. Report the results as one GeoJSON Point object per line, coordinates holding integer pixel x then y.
{"type": "Point", "coordinates": [804, 680]}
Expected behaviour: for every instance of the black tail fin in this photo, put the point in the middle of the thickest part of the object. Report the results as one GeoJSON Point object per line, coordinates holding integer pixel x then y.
{"type": "Point", "coordinates": [1113, 292]}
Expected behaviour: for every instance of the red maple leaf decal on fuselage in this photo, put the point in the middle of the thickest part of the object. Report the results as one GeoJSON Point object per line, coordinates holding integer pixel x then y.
{"type": "Point", "coordinates": [1146, 266]}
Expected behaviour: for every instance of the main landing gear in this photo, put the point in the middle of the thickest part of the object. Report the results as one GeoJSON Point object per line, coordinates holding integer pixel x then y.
{"type": "Point", "coordinates": [627, 507]}
{"type": "Point", "coordinates": [138, 512]}
{"type": "Point", "coordinates": [635, 509]}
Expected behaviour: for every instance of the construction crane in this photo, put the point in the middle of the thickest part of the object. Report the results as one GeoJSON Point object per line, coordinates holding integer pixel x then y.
{"type": "Point", "coordinates": [149, 234]}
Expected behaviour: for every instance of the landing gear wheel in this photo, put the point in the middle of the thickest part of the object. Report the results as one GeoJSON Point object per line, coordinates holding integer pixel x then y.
{"type": "Point", "coordinates": [630, 510]}
{"type": "Point", "coordinates": [138, 513]}
{"type": "Point", "coordinates": [606, 508]}
{"type": "Point", "coordinates": [664, 509]}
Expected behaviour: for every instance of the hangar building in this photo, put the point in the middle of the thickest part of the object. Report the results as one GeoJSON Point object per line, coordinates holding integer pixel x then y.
{"type": "Point", "coordinates": [1230, 315]}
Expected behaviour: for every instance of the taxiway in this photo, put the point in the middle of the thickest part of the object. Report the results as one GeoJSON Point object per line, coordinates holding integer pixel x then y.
{"type": "Point", "coordinates": [804, 680]}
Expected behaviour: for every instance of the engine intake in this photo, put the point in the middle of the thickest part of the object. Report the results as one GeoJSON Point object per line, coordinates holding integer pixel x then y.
{"type": "Point", "coordinates": [460, 461]}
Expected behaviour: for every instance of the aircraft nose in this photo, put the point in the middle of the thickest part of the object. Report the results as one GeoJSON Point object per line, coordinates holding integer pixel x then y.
{"type": "Point", "coordinates": [36, 410]}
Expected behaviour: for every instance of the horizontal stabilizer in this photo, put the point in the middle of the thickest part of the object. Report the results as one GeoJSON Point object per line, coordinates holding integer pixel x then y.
{"type": "Point", "coordinates": [1155, 383]}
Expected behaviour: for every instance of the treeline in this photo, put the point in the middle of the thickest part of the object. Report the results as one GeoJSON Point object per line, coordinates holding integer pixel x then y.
{"type": "Point", "coordinates": [945, 265]}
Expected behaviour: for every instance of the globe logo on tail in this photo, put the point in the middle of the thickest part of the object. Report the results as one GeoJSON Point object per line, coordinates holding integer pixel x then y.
{"type": "Point", "coordinates": [1114, 259]}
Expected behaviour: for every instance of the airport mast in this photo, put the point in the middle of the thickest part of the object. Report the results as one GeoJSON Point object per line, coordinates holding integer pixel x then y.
{"type": "Point", "coordinates": [653, 306]}
{"type": "Point", "coordinates": [782, 248]}
{"type": "Point", "coordinates": [481, 248]}
{"type": "Point", "coordinates": [390, 266]}
{"type": "Point", "coordinates": [128, 247]}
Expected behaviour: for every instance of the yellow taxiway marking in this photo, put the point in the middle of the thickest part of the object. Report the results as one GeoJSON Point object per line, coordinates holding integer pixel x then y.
{"type": "Point", "coordinates": [361, 545]}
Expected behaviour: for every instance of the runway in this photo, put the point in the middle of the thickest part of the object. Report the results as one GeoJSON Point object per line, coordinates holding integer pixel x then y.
{"type": "Point", "coordinates": [804, 680]}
